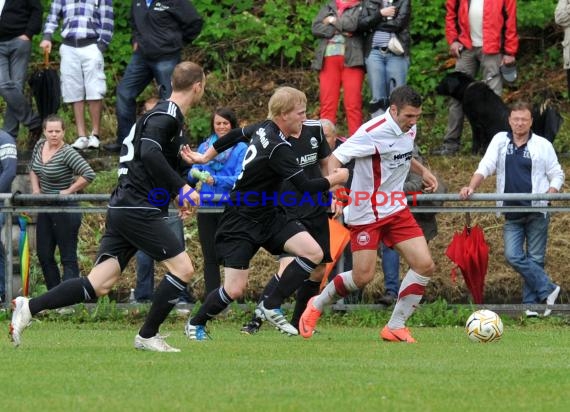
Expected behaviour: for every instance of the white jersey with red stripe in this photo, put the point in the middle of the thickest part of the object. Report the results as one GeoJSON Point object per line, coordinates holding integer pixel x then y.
{"type": "Point", "coordinates": [383, 154]}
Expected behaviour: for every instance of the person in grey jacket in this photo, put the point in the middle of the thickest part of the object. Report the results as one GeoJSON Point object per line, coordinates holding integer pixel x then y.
{"type": "Point", "coordinates": [383, 20]}
{"type": "Point", "coordinates": [562, 18]}
{"type": "Point", "coordinates": [339, 59]}
{"type": "Point", "coordinates": [524, 163]}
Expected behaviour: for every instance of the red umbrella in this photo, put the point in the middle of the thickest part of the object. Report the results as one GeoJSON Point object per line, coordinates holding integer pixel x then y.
{"type": "Point", "coordinates": [470, 252]}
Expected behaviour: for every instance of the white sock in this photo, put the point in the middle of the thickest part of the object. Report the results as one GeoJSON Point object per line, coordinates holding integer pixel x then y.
{"type": "Point", "coordinates": [411, 292]}
{"type": "Point", "coordinates": [340, 287]}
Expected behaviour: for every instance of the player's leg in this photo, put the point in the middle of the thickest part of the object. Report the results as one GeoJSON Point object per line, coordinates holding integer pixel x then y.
{"type": "Point", "coordinates": [363, 267]}
{"type": "Point", "coordinates": [168, 291]}
{"type": "Point", "coordinates": [308, 255]}
{"type": "Point", "coordinates": [235, 282]}
{"type": "Point", "coordinates": [99, 282]}
{"type": "Point", "coordinates": [416, 253]}
{"type": "Point", "coordinates": [257, 317]}
{"type": "Point", "coordinates": [308, 289]}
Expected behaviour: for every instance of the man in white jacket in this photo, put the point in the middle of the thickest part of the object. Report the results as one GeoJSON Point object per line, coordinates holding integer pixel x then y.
{"type": "Point", "coordinates": [524, 163]}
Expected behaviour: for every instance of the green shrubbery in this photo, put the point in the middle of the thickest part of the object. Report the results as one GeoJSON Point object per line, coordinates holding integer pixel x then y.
{"type": "Point", "coordinates": [257, 35]}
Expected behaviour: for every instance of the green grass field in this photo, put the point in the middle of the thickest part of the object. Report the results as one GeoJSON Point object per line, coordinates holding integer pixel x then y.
{"type": "Point", "coordinates": [66, 366]}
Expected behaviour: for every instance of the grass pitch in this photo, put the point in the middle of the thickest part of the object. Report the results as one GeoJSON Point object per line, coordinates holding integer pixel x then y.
{"type": "Point", "coordinates": [64, 366]}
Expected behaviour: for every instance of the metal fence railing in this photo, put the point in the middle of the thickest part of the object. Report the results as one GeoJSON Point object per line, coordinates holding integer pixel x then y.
{"type": "Point", "coordinates": [14, 204]}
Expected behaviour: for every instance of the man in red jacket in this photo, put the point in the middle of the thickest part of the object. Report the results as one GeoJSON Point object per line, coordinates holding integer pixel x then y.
{"type": "Point", "coordinates": [482, 34]}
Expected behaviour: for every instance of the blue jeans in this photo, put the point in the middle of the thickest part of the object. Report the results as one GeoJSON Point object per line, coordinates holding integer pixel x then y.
{"type": "Point", "coordinates": [58, 230]}
{"type": "Point", "coordinates": [386, 71]}
{"type": "Point", "coordinates": [531, 230]}
{"type": "Point", "coordinates": [138, 75]}
{"type": "Point", "coordinates": [14, 58]}
{"type": "Point", "coordinates": [391, 268]}
{"type": "Point", "coordinates": [144, 289]}
{"type": "Point", "coordinates": [2, 261]}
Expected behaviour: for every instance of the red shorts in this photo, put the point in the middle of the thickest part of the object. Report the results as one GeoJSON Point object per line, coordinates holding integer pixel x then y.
{"type": "Point", "coordinates": [391, 230]}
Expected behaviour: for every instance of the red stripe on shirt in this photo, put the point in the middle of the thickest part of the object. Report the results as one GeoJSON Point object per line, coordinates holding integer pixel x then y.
{"type": "Point", "coordinates": [375, 125]}
{"type": "Point", "coordinates": [377, 176]}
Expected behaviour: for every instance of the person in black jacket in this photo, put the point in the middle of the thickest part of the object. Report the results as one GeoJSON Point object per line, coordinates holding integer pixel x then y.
{"type": "Point", "coordinates": [19, 22]}
{"type": "Point", "coordinates": [160, 31]}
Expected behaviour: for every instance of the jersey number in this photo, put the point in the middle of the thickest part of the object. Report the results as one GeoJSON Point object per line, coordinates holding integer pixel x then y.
{"type": "Point", "coordinates": [130, 148]}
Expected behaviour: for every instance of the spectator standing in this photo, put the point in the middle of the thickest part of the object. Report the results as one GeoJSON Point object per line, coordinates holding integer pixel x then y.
{"type": "Point", "coordinates": [382, 149]}
{"type": "Point", "coordinates": [562, 18]}
{"type": "Point", "coordinates": [381, 20]}
{"type": "Point", "coordinates": [53, 168]}
{"type": "Point", "coordinates": [218, 177]}
{"type": "Point", "coordinates": [19, 22]}
{"type": "Point", "coordinates": [340, 61]}
{"type": "Point", "coordinates": [8, 165]}
{"type": "Point", "coordinates": [160, 31]}
{"type": "Point", "coordinates": [524, 163]}
{"type": "Point", "coordinates": [135, 220]}
{"type": "Point", "coordinates": [482, 35]}
{"type": "Point", "coordinates": [87, 30]}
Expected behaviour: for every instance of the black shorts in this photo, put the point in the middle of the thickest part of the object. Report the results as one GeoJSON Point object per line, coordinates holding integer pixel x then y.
{"type": "Point", "coordinates": [129, 230]}
{"type": "Point", "coordinates": [318, 228]}
{"type": "Point", "coordinates": [239, 236]}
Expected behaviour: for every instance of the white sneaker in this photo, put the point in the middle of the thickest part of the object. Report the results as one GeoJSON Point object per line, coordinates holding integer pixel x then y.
{"type": "Point", "coordinates": [276, 318]}
{"type": "Point", "coordinates": [154, 344]}
{"type": "Point", "coordinates": [531, 313]}
{"type": "Point", "coordinates": [550, 300]}
{"type": "Point", "coordinates": [81, 143]}
{"type": "Point", "coordinates": [21, 319]}
{"type": "Point", "coordinates": [93, 142]}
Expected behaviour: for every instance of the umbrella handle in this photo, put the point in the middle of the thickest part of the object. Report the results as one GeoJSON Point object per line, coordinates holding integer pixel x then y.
{"type": "Point", "coordinates": [46, 58]}
{"type": "Point", "coordinates": [468, 220]}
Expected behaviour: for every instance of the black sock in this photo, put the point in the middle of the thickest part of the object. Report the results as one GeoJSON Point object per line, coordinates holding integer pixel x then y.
{"type": "Point", "coordinates": [216, 301]}
{"type": "Point", "coordinates": [292, 278]}
{"type": "Point", "coordinates": [165, 297]}
{"type": "Point", "coordinates": [307, 290]}
{"type": "Point", "coordinates": [67, 293]}
{"type": "Point", "coordinates": [270, 287]}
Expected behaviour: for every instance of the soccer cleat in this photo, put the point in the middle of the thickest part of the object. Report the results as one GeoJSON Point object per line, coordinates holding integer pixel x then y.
{"type": "Point", "coordinates": [550, 300]}
{"type": "Point", "coordinates": [276, 318]}
{"type": "Point", "coordinates": [155, 344]}
{"type": "Point", "coordinates": [252, 327]}
{"type": "Point", "coordinates": [21, 319]}
{"type": "Point", "coordinates": [93, 142]}
{"type": "Point", "coordinates": [397, 335]}
{"type": "Point", "coordinates": [196, 332]}
{"type": "Point", "coordinates": [309, 319]}
{"type": "Point", "coordinates": [81, 143]}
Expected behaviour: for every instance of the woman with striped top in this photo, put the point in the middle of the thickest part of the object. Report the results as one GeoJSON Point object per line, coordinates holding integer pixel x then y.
{"type": "Point", "coordinates": [53, 170]}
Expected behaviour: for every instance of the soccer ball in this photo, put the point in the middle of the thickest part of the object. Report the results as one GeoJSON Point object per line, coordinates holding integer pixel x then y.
{"type": "Point", "coordinates": [484, 326]}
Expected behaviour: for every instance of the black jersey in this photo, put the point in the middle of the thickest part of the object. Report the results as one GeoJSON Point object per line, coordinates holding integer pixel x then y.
{"type": "Point", "coordinates": [310, 147]}
{"type": "Point", "coordinates": [268, 162]}
{"type": "Point", "coordinates": [149, 165]}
